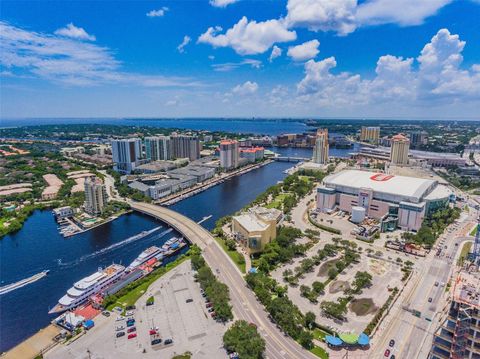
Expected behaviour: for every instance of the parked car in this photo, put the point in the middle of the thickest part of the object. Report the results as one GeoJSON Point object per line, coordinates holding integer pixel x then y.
{"type": "Point", "coordinates": [121, 327]}
{"type": "Point", "coordinates": [129, 313]}
{"type": "Point", "coordinates": [119, 318]}
{"type": "Point", "coordinates": [168, 341]}
{"type": "Point", "coordinates": [189, 300]}
{"type": "Point", "coordinates": [387, 353]}
{"type": "Point", "coordinates": [213, 314]}
{"type": "Point", "coordinates": [208, 305]}
{"type": "Point", "coordinates": [152, 332]}
{"type": "Point", "coordinates": [393, 356]}
{"type": "Point", "coordinates": [131, 336]}
{"type": "Point", "coordinates": [129, 324]}
{"type": "Point", "coordinates": [156, 341]}
{"type": "Point", "coordinates": [120, 334]}
{"type": "Point", "coordinates": [106, 313]}
{"type": "Point", "coordinates": [131, 330]}
{"type": "Point", "coordinates": [130, 307]}
{"type": "Point", "coordinates": [392, 343]}
{"type": "Point", "coordinates": [430, 299]}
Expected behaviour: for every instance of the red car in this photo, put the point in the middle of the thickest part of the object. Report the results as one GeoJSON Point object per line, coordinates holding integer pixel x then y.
{"type": "Point", "coordinates": [387, 353]}
{"type": "Point", "coordinates": [133, 335]}
{"type": "Point", "coordinates": [131, 330]}
{"type": "Point", "coordinates": [213, 314]}
{"type": "Point", "coordinates": [153, 332]}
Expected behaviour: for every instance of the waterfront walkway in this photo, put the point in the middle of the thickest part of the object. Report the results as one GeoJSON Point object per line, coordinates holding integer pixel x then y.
{"type": "Point", "coordinates": [245, 305]}
{"type": "Point", "coordinates": [37, 343]}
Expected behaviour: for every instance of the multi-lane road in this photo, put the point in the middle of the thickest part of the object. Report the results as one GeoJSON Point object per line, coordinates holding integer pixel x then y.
{"type": "Point", "coordinates": [426, 294]}
{"type": "Point", "coordinates": [245, 305]}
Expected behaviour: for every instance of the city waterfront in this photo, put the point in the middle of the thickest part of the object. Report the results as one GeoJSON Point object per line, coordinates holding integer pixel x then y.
{"type": "Point", "coordinates": [38, 246]}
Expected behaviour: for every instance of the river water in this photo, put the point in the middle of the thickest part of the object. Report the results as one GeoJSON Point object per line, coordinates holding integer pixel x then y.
{"type": "Point", "coordinates": [39, 246]}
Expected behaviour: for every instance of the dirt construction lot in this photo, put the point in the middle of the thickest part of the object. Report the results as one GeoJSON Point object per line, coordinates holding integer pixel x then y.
{"type": "Point", "coordinates": [188, 325]}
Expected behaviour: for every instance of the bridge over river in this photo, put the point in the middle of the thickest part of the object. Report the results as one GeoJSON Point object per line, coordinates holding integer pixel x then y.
{"type": "Point", "coordinates": [245, 305]}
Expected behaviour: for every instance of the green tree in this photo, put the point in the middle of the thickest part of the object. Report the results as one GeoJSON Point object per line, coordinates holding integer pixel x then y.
{"type": "Point", "coordinates": [244, 339]}
{"type": "Point", "coordinates": [310, 320]}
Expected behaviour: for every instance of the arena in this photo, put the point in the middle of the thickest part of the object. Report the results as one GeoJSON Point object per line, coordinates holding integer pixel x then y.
{"type": "Point", "coordinates": [408, 199]}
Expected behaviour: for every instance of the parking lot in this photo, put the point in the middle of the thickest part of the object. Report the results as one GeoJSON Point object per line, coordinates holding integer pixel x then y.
{"type": "Point", "coordinates": [187, 324]}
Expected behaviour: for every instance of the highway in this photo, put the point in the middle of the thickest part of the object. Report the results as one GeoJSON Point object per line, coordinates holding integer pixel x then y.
{"type": "Point", "coordinates": [413, 335]}
{"type": "Point", "coordinates": [244, 303]}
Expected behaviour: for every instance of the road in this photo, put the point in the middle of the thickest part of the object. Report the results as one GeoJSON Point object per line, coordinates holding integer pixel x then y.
{"type": "Point", "coordinates": [413, 335]}
{"type": "Point", "coordinates": [244, 303]}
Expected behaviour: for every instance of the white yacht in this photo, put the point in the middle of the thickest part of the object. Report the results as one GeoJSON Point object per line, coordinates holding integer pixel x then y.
{"type": "Point", "coordinates": [88, 286]}
{"type": "Point", "coordinates": [147, 254]}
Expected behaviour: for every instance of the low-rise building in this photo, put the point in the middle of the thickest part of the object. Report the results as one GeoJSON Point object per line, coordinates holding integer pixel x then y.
{"type": "Point", "coordinates": [256, 228]}
{"type": "Point", "coordinates": [252, 154]}
{"type": "Point", "coordinates": [63, 212]}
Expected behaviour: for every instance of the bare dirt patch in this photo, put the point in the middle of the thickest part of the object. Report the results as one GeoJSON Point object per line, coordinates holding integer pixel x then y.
{"type": "Point", "coordinates": [323, 270]}
{"type": "Point", "coordinates": [338, 286]}
{"type": "Point", "coordinates": [362, 306]}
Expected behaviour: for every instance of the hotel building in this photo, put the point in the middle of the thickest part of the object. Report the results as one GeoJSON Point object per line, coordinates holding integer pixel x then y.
{"type": "Point", "coordinates": [320, 150]}
{"type": "Point", "coordinates": [370, 134]}
{"type": "Point", "coordinates": [399, 150]}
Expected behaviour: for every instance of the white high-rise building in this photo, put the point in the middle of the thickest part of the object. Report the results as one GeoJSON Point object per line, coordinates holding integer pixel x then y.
{"type": "Point", "coordinates": [399, 150]}
{"type": "Point", "coordinates": [320, 150]}
{"type": "Point", "coordinates": [229, 154]}
{"type": "Point", "coordinates": [127, 154]}
{"type": "Point", "coordinates": [95, 196]}
{"type": "Point", "coordinates": [158, 148]}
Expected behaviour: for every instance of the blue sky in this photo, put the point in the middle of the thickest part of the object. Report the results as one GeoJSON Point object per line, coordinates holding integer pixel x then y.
{"type": "Point", "coordinates": [235, 58]}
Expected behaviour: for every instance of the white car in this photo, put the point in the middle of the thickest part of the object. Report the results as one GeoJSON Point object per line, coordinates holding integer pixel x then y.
{"type": "Point", "coordinates": [119, 319]}
{"type": "Point", "coordinates": [129, 313]}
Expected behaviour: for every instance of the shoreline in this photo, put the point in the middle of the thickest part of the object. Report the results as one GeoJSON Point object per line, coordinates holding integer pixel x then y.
{"type": "Point", "coordinates": [189, 192]}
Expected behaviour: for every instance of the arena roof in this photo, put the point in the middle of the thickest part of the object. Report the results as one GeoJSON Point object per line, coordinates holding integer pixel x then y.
{"type": "Point", "coordinates": [380, 182]}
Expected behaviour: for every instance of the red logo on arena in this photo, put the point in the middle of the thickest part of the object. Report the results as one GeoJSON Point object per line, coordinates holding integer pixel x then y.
{"type": "Point", "coordinates": [381, 177]}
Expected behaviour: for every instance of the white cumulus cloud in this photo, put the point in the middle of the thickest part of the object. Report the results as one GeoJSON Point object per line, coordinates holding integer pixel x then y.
{"type": "Point", "coordinates": [185, 42]}
{"type": "Point", "coordinates": [74, 32]}
{"type": "Point", "coordinates": [322, 15]}
{"type": "Point", "coordinates": [439, 78]}
{"type": "Point", "coordinates": [157, 13]}
{"type": "Point", "coordinates": [404, 12]}
{"type": "Point", "coordinates": [249, 37]}
{"type": "Point", "coordinates": [247, 88]}
{"type": "Point", "coordinates": [307, 50]}
{"type": "Point", "coordinates": [276, 52]}
{"type": "Point", "coordinates": [222, 3]}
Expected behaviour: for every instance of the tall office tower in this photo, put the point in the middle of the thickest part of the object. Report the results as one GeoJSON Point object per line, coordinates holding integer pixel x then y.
{"type": "Point", "coordinates": [158, 148]}
{"type": "Point", "coordinates": [399, 150]}
{"type": "Point", "coordinates": [418, 138]}
{"type": "Point", "coordinates": [320, 150]}
{"type": "Point", "coordinates": [95, 196]}
{"type": "Point", "coordinates": [458, 336]}
{"type": "Point", "coordinates": [127, 154]}
{"type": "Point", "coordinates": [186, 147]}
{"type": "Point", "coordinates": [370, 134]}
{"type": "Point", "coordinates": [229, 154]}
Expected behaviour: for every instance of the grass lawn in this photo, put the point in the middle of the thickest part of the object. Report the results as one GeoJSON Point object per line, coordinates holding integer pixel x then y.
{"type": "Point", "coordinates": [132, 296]}
{"type": "Point", "coordinates": [464, 253]}
{"type": "Point", "coordinates": [474, 231]}
{"type": "Point", "coordinates": [319, 334]}
{"type": "Point", "coordinates": [278, 201]}
{"type": "Point", "coordinates": [319, 352]}
{"type": "Point", "coordinates": [237, 258]}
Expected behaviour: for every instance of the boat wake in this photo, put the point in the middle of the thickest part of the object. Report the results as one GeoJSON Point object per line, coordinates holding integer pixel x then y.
{"type": "Point", "coordinates": [115, 246]}
{"type": "Point", "coordinates": [21, 283]}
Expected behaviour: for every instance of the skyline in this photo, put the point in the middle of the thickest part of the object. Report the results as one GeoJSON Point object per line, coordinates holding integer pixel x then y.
{"type": "Point", "coordinates": [268, 62]}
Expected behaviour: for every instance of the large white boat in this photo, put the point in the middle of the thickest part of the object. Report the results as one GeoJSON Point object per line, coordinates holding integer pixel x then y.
{"type": "Point", "coordinates": [147, 254]}
{"type": "Point", "coordinates": [88, 286]}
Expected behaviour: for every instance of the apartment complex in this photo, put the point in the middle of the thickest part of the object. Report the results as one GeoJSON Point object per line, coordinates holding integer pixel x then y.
{"type": "Point", "coordinates": [257, 227]}
{"type": "Point", "coordinates": [184, 146]}
{"type": "Point", "coordinates": [399, 150]}
{"type": "Point", "coordinates": [459, 335]}
{"type": "Point", "coordinates": [95, 196]}
{"type": "Point", "coordinates": [370, 134]}
{"type": "Point", "coordinates": [158, 148]}
{"type": "Point", "coordinates": [127, 154]}
{"type": "Point", "coordinates": [320, 150]}
{"type": "Point", "coordinates": [229, 154]}
{"type": "Point", "coordinates": [252, 154]}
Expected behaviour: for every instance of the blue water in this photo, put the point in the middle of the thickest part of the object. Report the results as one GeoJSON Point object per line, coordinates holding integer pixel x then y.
{"type": "Point", "coordinates": [39, 246]}
{"type": "Point", "coordinates": [259, 126]}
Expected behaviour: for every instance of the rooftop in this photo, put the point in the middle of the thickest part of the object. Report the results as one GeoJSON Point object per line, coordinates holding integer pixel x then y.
{"type": "Point", "coordinates": [250, 222]}
{"type": "Point", "coordinates": [467, 288]}
{"type": "Point", "coordinates": [381, 182]}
